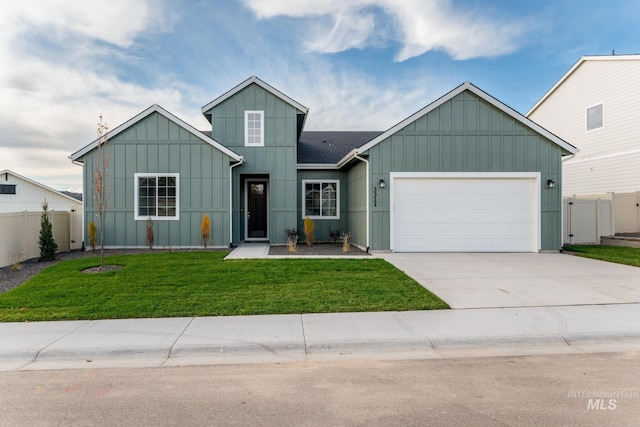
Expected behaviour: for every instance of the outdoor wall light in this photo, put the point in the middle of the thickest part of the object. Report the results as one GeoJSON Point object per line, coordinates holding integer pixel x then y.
{"type": "Point", "coordinates": [550, 183]}
{"type": "Point", "coordinates": [382, 183]}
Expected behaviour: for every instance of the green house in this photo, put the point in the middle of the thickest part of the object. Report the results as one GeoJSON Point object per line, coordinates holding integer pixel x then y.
{"type": "Point", "coordinates": [464, 174]}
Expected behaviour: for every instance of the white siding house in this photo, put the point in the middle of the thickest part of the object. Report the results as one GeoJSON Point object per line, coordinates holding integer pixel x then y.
{"type": "Point", "coordinates": [595, 106]}
{"type": "Point", "coordinates": [18, 194]}
{"type": "Point", "coordinates": [20, 209]}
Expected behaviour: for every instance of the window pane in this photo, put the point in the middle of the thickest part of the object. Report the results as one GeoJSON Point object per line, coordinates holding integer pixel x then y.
{"type": "Point", "coordinates": [312, 199]}
{"type": "Point", "coordinates": [595, 118]}
{"type": "Point", "coordinates": [329, 195]}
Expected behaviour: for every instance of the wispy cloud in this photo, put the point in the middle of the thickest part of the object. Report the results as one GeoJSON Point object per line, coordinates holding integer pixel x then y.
{"type": "Point", "coordinates": [63, 72]}
{"type": "Point", "coordinates": [418, 26]}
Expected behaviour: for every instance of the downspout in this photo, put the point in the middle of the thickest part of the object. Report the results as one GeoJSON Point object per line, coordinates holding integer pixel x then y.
{"type": "Point", "coordinates": [231, 200]}
{"type": "Point", "coordinates": [366, 162]}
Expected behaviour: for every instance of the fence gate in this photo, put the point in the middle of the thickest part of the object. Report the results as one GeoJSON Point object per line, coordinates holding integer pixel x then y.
{"type": "Point", "coordinates": [586, 220]}
{"type": "Point", "coordinates": [627, 207]}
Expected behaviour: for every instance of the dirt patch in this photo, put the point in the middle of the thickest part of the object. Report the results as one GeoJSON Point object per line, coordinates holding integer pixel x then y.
{"type": "Point", "coordinates": [319, 249]}
{"type": "Point", "coordinates": [102, 269]}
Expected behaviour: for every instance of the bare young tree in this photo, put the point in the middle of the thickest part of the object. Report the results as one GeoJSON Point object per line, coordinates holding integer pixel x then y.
{"type": "Point", "coordinates": [99, 176]}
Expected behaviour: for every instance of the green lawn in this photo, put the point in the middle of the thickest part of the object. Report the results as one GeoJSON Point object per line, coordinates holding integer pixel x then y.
{"type": "Point", "coordinates": [173, 284]}
{"type": "Point", "coordinates": [617, 254]}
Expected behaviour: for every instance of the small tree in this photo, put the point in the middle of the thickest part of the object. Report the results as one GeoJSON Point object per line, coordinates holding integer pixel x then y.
{"type": "Point", "coordinates": [100, 176]}
{"type": "Point", "coordinates": [47, 244]}
{"type": "Point", "coordinates": [91, 230]}
{"type": "Point", "coordinates": [149, 233]}
{"type": "Point", "coordinates": [309, 226]}
{"type": "Point", "coordinates": [205, 230]}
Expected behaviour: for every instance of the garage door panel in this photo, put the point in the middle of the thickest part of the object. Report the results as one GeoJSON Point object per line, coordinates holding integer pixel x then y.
{"type": "Point", "coordinates": [464, 214]}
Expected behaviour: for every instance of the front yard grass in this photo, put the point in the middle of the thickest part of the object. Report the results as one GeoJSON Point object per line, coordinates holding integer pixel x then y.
{"type": "Point", "coordinates": [617, 254]}
{"type": "Point", "coordinates": [186, 284]}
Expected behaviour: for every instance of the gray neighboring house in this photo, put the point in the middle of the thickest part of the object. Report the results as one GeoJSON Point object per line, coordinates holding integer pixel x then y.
{"type": "Point", "coordinates": [465, 173]}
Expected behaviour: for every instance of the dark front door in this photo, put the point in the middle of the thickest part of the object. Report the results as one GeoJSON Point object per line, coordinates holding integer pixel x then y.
{"type": "Point", "coordinates": [256, 209]}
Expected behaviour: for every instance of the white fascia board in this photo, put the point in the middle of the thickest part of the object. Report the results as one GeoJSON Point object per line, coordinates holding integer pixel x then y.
{"type": "Point", "coordinates": [481, 94]}
{"type": "Point", "coordinates": [349, 156]}
{"type": "Point", "coordinates": [155, 108]}
{"type": "Point", "coordinates": [262, 84]}
{"type": "Point", "coordinates": [574, 68]}
{"type": "Point", "coordinates": [24, 178]}
{"type": "Point", "coordinates": [316, 166]}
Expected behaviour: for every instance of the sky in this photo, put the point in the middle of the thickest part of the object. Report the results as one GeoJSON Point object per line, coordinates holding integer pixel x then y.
{"type": "Point", "coordinates": [356, 64]}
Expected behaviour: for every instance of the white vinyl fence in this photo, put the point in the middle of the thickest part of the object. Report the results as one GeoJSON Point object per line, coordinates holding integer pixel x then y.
{"type": "Point", "coordinates": [20, 232]}
{"type": "Point", "coordinates": [587, 218]}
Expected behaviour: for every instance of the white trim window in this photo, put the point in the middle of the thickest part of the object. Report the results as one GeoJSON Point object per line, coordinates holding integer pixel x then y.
{"type": "Point", "coordinates": [157, 196]}
{"type": "Point", "coordinates": [595, 117]}
{"type": "Point", "coordinates": [254, 128]}
{"type": "Point", "coordinates": [321, 199]}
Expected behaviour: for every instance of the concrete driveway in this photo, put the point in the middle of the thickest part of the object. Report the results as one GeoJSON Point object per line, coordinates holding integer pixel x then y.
{"type": "Point", "coordinates": [483, 280]}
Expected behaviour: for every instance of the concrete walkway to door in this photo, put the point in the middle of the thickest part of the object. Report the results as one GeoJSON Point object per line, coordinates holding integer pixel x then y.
{"type": "Point", "coordinates": [485, 280]}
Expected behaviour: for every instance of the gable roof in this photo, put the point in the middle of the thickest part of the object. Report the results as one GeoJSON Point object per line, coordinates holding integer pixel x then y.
{"type": "Point", "coordinates": [262, 84]}
{"type": "Point", "coordinates": [581, 61]}
{"type": "Point", "coordinates": [155, 108]}
{"type": "Point", "coordinates": [44, 187]}
{"type": "Point", "coordinates": [320, 147]}
{"type": "Point", "coordinates": [466, 86]}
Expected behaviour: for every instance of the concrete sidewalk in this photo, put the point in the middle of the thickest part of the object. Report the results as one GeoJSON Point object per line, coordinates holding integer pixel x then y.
{"type": "Point", "coordinates": [299, 338]}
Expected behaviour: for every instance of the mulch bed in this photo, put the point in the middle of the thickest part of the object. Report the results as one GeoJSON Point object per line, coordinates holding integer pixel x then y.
{"type": "Point", "coordinates": [319, 249]}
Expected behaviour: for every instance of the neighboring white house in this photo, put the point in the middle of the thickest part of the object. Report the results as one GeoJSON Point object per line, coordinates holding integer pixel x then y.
{"type": "Point", "coordinates": [20, 208]}
{"type": "Point", "coordinates": [595, 106]}
{"type": "Point", "coordinates": [18, 193]}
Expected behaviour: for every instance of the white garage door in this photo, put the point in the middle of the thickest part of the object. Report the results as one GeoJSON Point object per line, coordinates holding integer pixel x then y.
{"type": "Point", "coordinates": [497, 214]}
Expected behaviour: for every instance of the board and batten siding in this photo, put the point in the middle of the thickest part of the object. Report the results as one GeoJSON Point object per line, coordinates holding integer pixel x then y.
{"type": "Point", "coordinates": [157, 145]}
{"type": "Point", "coordinates": [356, 205]}
{"type": "Point", "coordinates": [276, 160]}
{"type": "Point", "coordinates": [467, 134]}
{"type": "Point", "coordinates": [608, 157]}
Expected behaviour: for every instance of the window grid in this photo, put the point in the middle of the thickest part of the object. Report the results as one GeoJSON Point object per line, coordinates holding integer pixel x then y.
{"type": "Point", "coordinates": [254, 128]}
{"type": "Point", "coordinates": [157, 197]}
{"type": "Point", "coordinates": [321, 199]}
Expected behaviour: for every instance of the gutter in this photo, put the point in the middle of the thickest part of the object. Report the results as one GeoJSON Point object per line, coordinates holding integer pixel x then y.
{"type": "Point", "coordinates": [366, 162]}
{"type": "Point", "coordinates": [241, 162]}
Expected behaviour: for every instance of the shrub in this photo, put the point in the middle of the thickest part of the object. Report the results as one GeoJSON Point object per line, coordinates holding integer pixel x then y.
{"type": "Point", "coordinates": [149, 240]}
{"type": "Point", "coordinates": [292, 239]}
{"type": "Point", "coordinates": [91, 230]}
{"type": "Point", "coordinates": [309, 226]}
{"type": "Point", "coordinates": [346, 242]}
{"type": "Point", "coordinates": [205, 230]}
{"type": "Point", "coordinates": [335, 235]}
{"type": "Point", "coordinates": [47, 244]}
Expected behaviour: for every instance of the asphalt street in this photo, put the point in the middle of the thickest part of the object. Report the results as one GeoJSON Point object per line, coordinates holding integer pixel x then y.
{"type": "Point", "coordinates": [576, 389]}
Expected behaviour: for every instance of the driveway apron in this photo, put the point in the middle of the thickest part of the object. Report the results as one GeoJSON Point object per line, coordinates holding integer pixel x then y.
{"type": "Point", "coordinates": [485, 280]}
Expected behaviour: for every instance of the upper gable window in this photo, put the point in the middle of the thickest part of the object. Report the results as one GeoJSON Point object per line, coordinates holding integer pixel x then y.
{"type": "Point", "coordinates": [595, 117]}
{"type": "Point", "coordinates": [7, 189]}
{"type": "Point", "coordinates": [254, 128]}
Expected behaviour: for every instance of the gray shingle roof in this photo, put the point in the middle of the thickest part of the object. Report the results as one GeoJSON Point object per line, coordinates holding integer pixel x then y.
{"type": "Point", "coordinates": [328, 147]}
